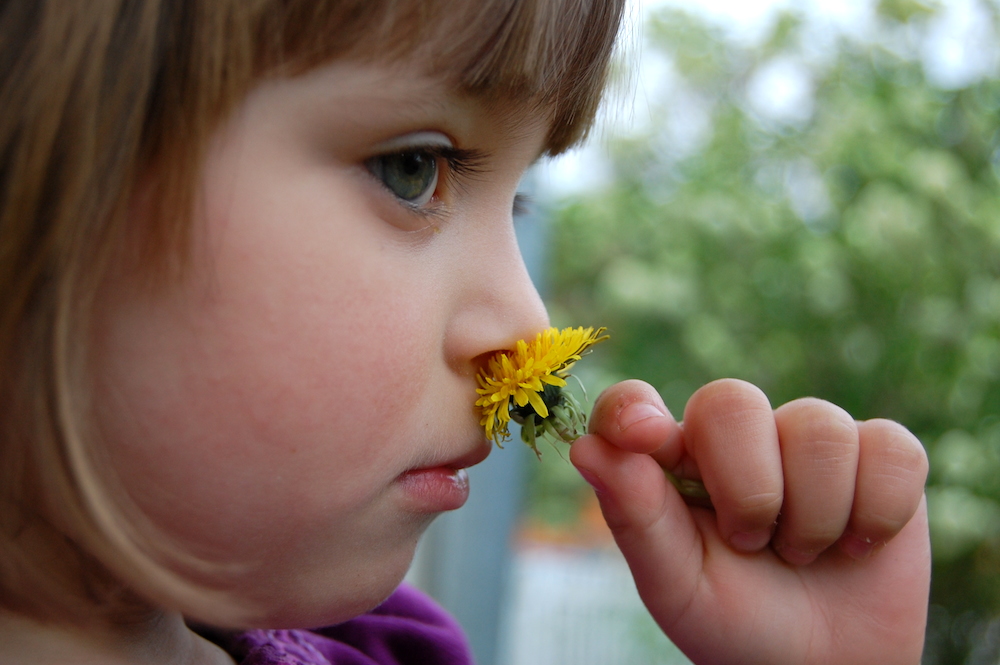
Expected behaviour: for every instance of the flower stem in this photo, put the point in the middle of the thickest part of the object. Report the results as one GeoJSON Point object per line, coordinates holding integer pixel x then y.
{"type": "Point", "coordinates": [690, 489]}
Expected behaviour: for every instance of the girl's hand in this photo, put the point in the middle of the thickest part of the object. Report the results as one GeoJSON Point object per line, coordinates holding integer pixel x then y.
{"type": "Point", "coordinates": [817, 548]}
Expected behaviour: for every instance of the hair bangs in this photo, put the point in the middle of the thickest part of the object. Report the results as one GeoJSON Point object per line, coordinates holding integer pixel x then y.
{"type": "Point", "coordinates": [551, 55]}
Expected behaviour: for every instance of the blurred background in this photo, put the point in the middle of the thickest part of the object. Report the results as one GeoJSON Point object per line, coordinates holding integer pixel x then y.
{"type": "Point", "coordinates": [805, 195]}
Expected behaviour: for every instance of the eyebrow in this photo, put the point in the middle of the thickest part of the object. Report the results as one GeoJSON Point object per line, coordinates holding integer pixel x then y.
{"type": "Point", "coordinates": [440, 100]}
{"type": "Point", "coordinates": [443, 93]}
{"type": "Point", "coordinates": [415, 107]}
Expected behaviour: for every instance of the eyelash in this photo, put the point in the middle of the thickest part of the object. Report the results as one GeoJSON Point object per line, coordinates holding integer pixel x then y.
{"type": "Point", "coordinates": [523, 205]}
{"type": "Point", "coordinates": [463, 163]}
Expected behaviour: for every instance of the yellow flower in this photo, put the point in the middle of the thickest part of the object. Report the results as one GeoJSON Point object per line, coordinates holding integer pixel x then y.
{"type": "Point", "coordinates": [526, 386]}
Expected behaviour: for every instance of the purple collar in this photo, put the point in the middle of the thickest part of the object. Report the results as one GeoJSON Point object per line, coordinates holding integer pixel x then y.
{"type": "Point", "coordinates": [407, 629]}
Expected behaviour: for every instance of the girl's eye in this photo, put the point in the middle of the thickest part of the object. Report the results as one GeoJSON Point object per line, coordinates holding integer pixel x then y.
{"type": "Point", "coordinates": [411, 175]}
{"type": "Point", "coordinates": [412, 167]}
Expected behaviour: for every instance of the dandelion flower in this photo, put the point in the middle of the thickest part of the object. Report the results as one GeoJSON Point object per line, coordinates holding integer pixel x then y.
{"type": "Point", "coordinates": [526, 386]}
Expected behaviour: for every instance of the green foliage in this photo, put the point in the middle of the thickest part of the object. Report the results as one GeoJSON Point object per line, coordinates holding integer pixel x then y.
{"type": "Point", "coordinates": [853, 257]}
{"type": "Point", "coordinates": [905, 10]}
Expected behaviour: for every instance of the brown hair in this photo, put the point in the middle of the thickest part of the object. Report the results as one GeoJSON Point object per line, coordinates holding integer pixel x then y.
{"type": "Point", "coordinates": [95, 94]}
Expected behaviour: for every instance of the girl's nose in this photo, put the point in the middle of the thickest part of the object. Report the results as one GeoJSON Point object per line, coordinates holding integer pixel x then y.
{"type": "Point", "coordinates": [497, 304]}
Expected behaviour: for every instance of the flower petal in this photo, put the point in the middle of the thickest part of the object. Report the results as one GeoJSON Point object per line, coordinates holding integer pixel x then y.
{"type": "Point", "coordinates": [538, 404]}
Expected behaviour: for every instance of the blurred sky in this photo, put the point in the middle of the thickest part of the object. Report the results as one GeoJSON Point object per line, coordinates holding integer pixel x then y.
{"type": "Point", "coordinates": [960, 47]}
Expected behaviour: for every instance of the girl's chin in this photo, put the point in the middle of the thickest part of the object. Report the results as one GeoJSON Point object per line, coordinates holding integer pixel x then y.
{"type": "Point", "coordinates": [318, 604]}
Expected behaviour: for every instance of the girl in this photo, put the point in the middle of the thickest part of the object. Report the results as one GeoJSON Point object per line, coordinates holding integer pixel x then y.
{"type": "Point", "coordinates": [254, 252]}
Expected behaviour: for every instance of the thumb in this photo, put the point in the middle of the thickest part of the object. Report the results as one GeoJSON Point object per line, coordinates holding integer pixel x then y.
{"type": "Point", "coordinates": [652, 525]}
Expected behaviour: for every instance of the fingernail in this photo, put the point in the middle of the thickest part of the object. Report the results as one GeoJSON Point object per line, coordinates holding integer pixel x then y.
{"type": "Point", "coordinates": [750, 541]}
{"type": "Point", "coordinates": [594, 481]}
{"type": "Point", "coordinates": [637, 412]}
{"type": "Point", "coordinates": [857, 547]}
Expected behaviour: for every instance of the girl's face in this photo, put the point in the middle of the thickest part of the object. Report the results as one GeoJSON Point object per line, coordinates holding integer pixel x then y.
{"type": "Point", "coordinates": [298, 408]}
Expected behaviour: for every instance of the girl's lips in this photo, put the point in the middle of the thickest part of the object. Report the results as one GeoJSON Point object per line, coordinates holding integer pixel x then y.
{"type": "Point", "coordinates": [441, 487]}
{"type": "Point", "coordinates": [436, 489]}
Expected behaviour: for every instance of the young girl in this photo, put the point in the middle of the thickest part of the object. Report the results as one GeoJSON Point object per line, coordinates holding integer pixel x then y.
{"type": "Point", "coordinates": [253, 255]}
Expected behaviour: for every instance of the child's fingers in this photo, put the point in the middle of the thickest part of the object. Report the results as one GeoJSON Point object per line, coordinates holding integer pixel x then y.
{"type": "Point", "coordinates": [730, 432]}
{"type": "Point", "coordinates": [892, 469]}
{"type": "Point", "coordinates": [652, 526]}
{"type": "Point", "coordinates": [819, 450]}
{"type": "Point", "coordinates": [631, 415]}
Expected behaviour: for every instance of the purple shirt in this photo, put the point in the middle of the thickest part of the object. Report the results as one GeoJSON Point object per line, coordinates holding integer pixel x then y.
{"type": "Point", "coordinates": [407, 629]}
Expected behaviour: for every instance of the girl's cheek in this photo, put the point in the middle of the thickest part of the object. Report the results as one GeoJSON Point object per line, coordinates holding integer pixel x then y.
{"type": "Point", "coordinates": [277, 396]}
